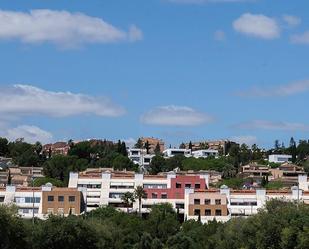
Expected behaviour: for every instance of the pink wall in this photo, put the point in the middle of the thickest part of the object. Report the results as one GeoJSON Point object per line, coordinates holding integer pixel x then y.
{"type": "Point", "coordinates": [177, 193]}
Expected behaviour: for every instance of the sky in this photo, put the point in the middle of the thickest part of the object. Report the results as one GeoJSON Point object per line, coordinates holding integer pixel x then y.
{"type": "Point", "coordinates": [178, 70]}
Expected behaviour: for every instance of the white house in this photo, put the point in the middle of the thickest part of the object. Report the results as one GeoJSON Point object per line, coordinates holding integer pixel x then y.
{"type": "Point", "coordinates": [279, 158]}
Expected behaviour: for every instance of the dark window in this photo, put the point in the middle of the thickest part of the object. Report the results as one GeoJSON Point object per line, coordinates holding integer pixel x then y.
{"type": "Point", "coordinates": [71, 198]}
{"type": "Point", "coordinates": [154, 196]}
{"type": "Point", "coordinates": [1, 198]}
{"type": "Point", "coordinates": [180, 205]}
{"type": "Point", "coordinates": [61, 198]}
{"type": "Point", "coordinates": [197, 201]}
{"type": "Point", "coordinates": [178, 185]}
{"type": "Point", "coordinates": [187, 185]}
{"type": "Point", "coordinates": [218, 202]}
{"type": "Point", "coordinates": [164, 196]}
{"type": "Point", "coordinates": [197, 186]}
{"type": "Point", "coordinates": [50, 198]}
{"type": "Point", "coordinates": [197, 211]}
{"type": "Point", "coordinates": [207, 201]}
{"type": "Point", "coordinates": [207, 212]}
{"type": "Point", "coordinates": [218, 212]}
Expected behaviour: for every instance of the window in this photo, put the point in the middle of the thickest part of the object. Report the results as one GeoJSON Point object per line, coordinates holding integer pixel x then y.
{"type": "Point", "coordinates": [178, 185]}
{"type": "Point", "coordinates": [50, 210]}
{"type": "Point", "coordinates": [207, 212]}
{"type": "Point", "coordinates": [197, 211]}
{"type": "Point", "coordinates": [61, 198]}
{"type": "Point", "coordinates": [218, 212]}
{"type": "Point", "coordinates": [218, 202]}
{"type": "Point", "coordinates": [187, 185]}
{"type": "Point", "coordinates": [154, 196]}
{"type": "Point", "coordinates": [164, 196]}
{"type": "Point", "coordinates": [60, 211]}
{"type": "Point", "coordinates": [197, 201]}
{"type": "Point", "coordinates": [71, 198]}
{"type": "Point", "coordinates": [72, 211]}
{"type": "Point", "coordinates": [1, 198]}
{"type": "Point", "coordinates": [197, 186]}
{"type": "Point", "coordinates": [180, 205]}
{"type": "Point", "coordinates": [207, 202]}
{"type": "Point", "coordinates": [50, 198]}
{"type": "Point", "coordinates": [157, 186]}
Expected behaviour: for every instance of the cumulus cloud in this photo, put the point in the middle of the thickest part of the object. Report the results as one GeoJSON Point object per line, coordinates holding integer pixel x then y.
{"type": "Point", "coordinates": [249, 140]}
{"type": "Point", "coordinates": [208, 1]}
{"type": "Point", "coordinates": [61, 27]}
{"type": "Point", "coordinates": [301, 38]}
{"type": "Point", "coordinates": [277, 91]}
{"type": "Point", "coordinates": [291, 21]}
{"type": "Point", "coordinates": [31, 134]}
{"type": "Point", "coordinates": [259, 26]}
{"type": "Point", "coordinates": [219, 35]}
{"type": "Point", "coordinates": [175, 116]}
{"type": "Point", "coordinates": [270, 125]}
{"type": "Point", "coordinates": [20, 100]}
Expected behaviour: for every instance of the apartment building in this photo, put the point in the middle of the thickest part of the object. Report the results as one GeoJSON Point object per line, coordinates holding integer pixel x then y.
{"type": "Point", "coordinates": [20, 176]}
{"type": "Point", "coordinates": [58, 148]}
{"type": "Point", "coordinates": [41, 201]}
{"type": "Point", "coordinates": [224, 203]}
{"type": "Point", "coordinates": [107, 188]}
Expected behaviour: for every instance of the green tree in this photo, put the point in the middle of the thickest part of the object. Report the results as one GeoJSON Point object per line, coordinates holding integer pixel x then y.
{"type": "Point", "coordinates": [147, 147]}
{"type": "Point", "coordinates": [66, 233]}
{"type": "Point", "coordinates": [12, 230]}
{"type": "Point", "coordinates": [139, 194]}
{"type": "Point", "coordinates": [139, 144]}
{"type": "Point", "coordinates": [128, 199]}
{"type": "Point", "coordinates": [157, 165]}
{"type": "Point", "coordinates": [157, 149]}
{"type": "Point", "coordinates": [4, 147]}
{"type": "Point", "coordinates": [38, 182]}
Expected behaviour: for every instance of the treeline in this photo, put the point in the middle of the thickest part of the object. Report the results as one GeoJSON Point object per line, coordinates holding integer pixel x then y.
{"type": "Point", "coordinates": [279, 225]}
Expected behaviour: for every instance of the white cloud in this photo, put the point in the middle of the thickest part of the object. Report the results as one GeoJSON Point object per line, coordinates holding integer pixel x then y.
{"type": "Point", "coordinates": [259, 26]}
{"type": "Point", "coordinates": [61, 28]}
{"type": "Point", "coordinates": [249, 140]}
{"type": "Point", "coordinates": [209, 1]}
{"type": "Point", "coordinates": [31, 134]}
{"type": "Point", "coordinates": [270, 125]}
{"type": "Point", "coordinates": [301, 38]}
{"type": "Point", "coordinates": [29, 100]}
{"type": "Point", "coordinates": [219, 35]}
{"type": "Point", "coordinates": [291, 21]}
{"type": "Point", "coordinates": [135, 34]}
{"type": "Point", "coordinates": [278, 91]}
{"type": "Point", "coordinates": [175, 116]}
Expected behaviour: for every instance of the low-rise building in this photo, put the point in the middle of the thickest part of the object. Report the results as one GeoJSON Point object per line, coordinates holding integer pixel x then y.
{"type": "Point", "coordinates": [205, 153]}
{"type": "Point", "coordinates": [42, 201]}
{"type": "Point", "coordinates": [279, 158]}
{"type": "Point", "coordinates": [140, 157]}
{"type": "Point", "coordinates": [168, 153]}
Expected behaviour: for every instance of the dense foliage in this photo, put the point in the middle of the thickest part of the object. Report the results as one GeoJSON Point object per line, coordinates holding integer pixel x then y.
{"type": "Point", "coordinates": [279, 225]}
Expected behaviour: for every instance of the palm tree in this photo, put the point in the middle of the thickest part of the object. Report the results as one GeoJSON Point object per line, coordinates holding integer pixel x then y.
{"type": "Point", "coordinates": [139, 194]}
{"type": "Point", "coordinates": [128, 198]}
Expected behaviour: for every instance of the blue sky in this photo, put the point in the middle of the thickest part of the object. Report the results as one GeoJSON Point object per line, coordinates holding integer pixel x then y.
{"type": "Point", "coordinates": [175, 69]}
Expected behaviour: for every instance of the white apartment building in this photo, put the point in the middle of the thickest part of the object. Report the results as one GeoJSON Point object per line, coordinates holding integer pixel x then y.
{"type": "Point", "coordinates": [107, 188]}
{"type": "Point", "coordinates": [279, 158]}
{"type": "Point", "coordinates": [224, 203]}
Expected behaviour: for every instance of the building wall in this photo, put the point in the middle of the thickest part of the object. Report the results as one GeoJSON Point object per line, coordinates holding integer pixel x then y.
{"type": "Point", "coordinates": [62, 202]}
